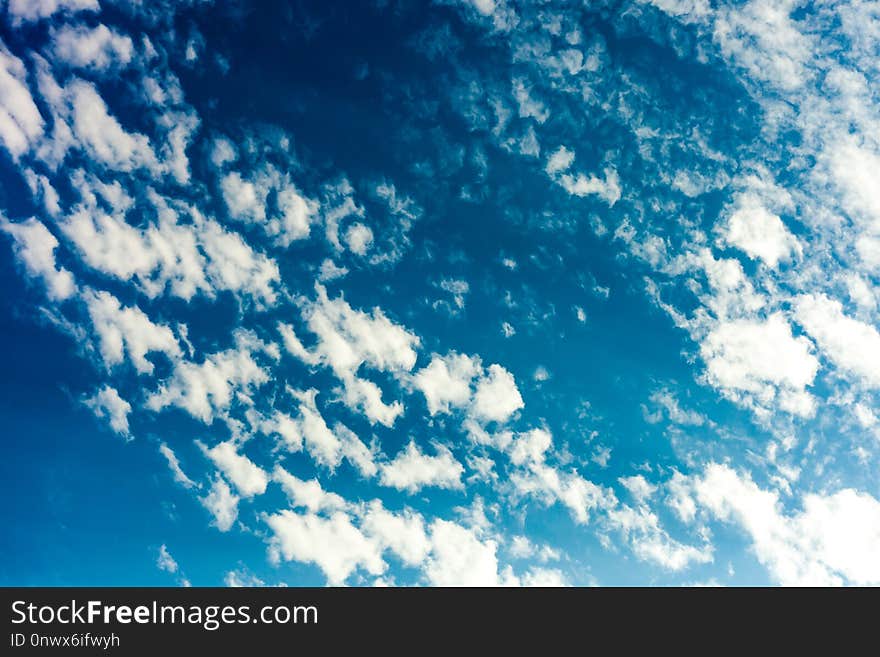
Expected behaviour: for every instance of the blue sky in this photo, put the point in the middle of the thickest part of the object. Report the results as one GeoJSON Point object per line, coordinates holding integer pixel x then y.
{"type": "Point", "coordinates": [412, 293]}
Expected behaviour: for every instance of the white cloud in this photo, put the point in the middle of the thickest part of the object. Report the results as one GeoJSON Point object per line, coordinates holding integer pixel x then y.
{"type": "Point", "coordinates": [762, 38]}
{"type": "Point", "coordinates": [650, 542]}
{"type": "Point", "coordinates": [579, 184]}
{"type": "Point", "coordinates": [681, 498]}
{"type": "Point", "coordinates": [223, 152]}
{"type": "Point", "coordinates": [35, 247]}
{"type": "Point", "coordinates": [333, 544]}
{"type": "Point", "coordinates": [127, 331]}
{"type": "Point", "coordinates": [402, 533]}
{"type": "Point", "coordinates": [101, 134]}
{"type": "Point", "coordinates": [31, 10]}
{"type": "Point", "coordinates": [446, 381]}
{"type": "Point", "coordinates": [608, 189]}
{"type": "Point", "coordinates": [242, 578]}
{"type": "Point", "coordinates": [497, 397]}
{"type": "Point", "coordinates": [530, 447]}
{"type": "Point", "coordinates": [98, 48]}
{"type": "Point", "coordinates": [223, 505]}
{"type": "Point", "coordinates": [106, 403]}
{"type": "Point", "coordinates": [200, 256]}
{"type": "Point", "coordinates": [346, 340]}
{"type": "Point", "coordinates": [756, 356]}
{"type": "Point", "coordinates": [850, 344]}
{"type": "Point", "coordinates": [349, 338]}
{"type": "Point", "coordinates": [174, 464]}
{"type": "Point", "coordinates": [234, 265]}
{"type": "Point", "coordinates": [308, 494]}
{"type": "Point", "coordinates": [548, 485]}
{"type": "Point", "coordinates": [248, 478]}
{"type": "Point", "coordinates": [366, 396]}
{"type": "Point", "coordinates": [206, 388]}
{"type": "Point", "coordinates": [560, 160]}
{"type": "Point", "coordinates": [413, 469]}
{"type": "Point", "coordinates": [287, 220]}
{"type": "Point", "coordinates": [529, 106]}
{"type": "Point", "coordinates": [545, 577]}
{"type": "Point", "coordinates": [833, 540]}
{"type": "Point", "coordinates": [668, 402]}
{"type": "Point", "coordinates": [319, 440]}
{"type": "Point", "coordinates": [358, 238]}
{"type": "Point", "coordinates": [244, 200]}
{"type": "Point", "coordinates": [330, 271]}
{"type": "Point", "coordinates": [852, 168]}
{"type": "Point", "coordinates": [43, 190]}
{"type": "Point", "coordinates": [165, 561]}
{"type": "Point", "coordinates": [297, 212]}
{"type": "Point", "coordinates": [356, 452]}
{"type": "Point", "coordinates": [639, 487]}
{"type": "Point", "coordinates": [485, 7]}
{"type": "Point", "coordinates": [457, 288]}
{"type": "Point", "coordinates": [459, 558]}
{"type": "Point", "coordinates": [759, 233]}
{"type": "Point", "coordinates": [20, 121]}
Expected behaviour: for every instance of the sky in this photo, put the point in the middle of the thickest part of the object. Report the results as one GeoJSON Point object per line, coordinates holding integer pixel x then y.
{"type": "Point", "coordinates": [464, 292]}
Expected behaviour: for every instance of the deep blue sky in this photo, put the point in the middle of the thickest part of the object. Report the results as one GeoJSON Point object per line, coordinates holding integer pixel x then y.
{"type": "Point", "coordinates": [646, 233]}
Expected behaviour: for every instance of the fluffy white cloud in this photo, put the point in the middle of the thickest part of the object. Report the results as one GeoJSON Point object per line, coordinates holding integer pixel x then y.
{"type": "Point", "coordinates": [759, 233]}
{"type": "Point", "coordinates": [207, 388]}
{"type": "Point", "coordinates": [323, 445]}
{"type": "Point", "coordinates": [446, 381]}
{"type": "Point", "coordinates": [127, 331]}
{"type": "Point", "coordinates": [35, 247]}
{"type": "Point", "coordinates": [290, 216]}
{"type": "Point", "coordinates": [544, 577]}
{"type": "Point", "coordinates": [852, 168]}
{"type": "Point", "coordinates": [580, 496]}
{"type": "Point", "coordinates": [200, 256]}
{"type": "Point", "coordinates": [459, 558]}
{"type": "Point", "coordinates": [358, 454]}
{"type": "Point", "coordinates": [223, 152]}
{"type": "Point", "coordinates": [496, 397]}
{"type": "Point", "coordinates": [242, 578]}
{"type": "Point", "coordinates": [223, 505]}
{"type": "Point", "coordinates": [333, 544]}
{"type": "Point", "coordinates": [86, 47]}
{"type": "Point", "coordinates": [358, 238]}
{"type": "Point", "coordinates": [402, 533]}
{"type": "Point", "coordinates": [833, 540]}
{"type": "Point", "coordinates": [851, 345]}
{"type": "Point", "coordinates": [413, 469]}
{"type": "Point", "coordinates": [365, 396]}
{"type": "Point", "coordinates": [296, 215]}
{"type": "Point", "coordinates": [102, 136]}
{"type": "Point", "coordinates": [244, 200]}
{"type": "Point", "coordinates": [165, 561]}
{"type": "Point", "coordinates": [755, 356]}
{"type": "Point", "coordinates": [107, 403]}
{"type": "Point", "coordinates": [639, 487]}
{"type": "Point", "coordinates": [650, 542]}
{"type": "Point", "coordinates": [348, 339]}
{"type": "Point", "coordinates": [530, 447]}
{"type": "Point", "coordinates": [308, 494]}
{"type": "Point", "coordinates": [578, 184]}
{"type": "Point", "coordinates": [31, 10]}
{"type": "Point", "coordinates": [247, 477]}
{"type": "Point", "coordinates": [764, 40]}
{"type": "Point", "coordinates": [20, 121]}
